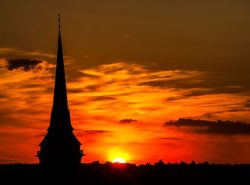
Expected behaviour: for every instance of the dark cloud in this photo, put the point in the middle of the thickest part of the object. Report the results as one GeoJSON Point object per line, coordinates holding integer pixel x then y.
{"type": "Point", "coordinates": [170, 138]}
{"type": "Point", "coordinates": [210, 83]}
{"type": "Point", "coordinates": [95, 131]}
{"type": "Point", "coordinates": [187, 83]}
{"type": "Point", "coordinates": [25, 64]}
{"type": "Point", "coordinates": [83, 133]}
{"type": "Point", "coordinates": [31, 85]}
{"type": "Point", "coordinates": [103, 98]}
{"type": "Point", "coordinates": [213, 127]}
{"type": "Point", "coordinates": [238, 110]}
{"type": "Point", "coordinates": [74, 90]}
{"type": "Point", "coordinates": [3, 96]}
{"type": "Point", "coordinates": [91, 88]}
{"type": "Point", "coordinates": [247, 104]}
{"type": "Point", "coordinates": [125, 121]}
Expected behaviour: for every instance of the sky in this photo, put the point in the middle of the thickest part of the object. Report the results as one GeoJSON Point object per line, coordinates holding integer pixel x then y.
{"type": "Point", "coordinates": [131, 66]}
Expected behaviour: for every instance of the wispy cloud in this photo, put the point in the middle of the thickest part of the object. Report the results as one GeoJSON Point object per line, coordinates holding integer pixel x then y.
{"type": "Point", "coordinates": [101, 96]}
{"type": "Point", "coordinates": [136, 91]}
{"type": "Point", "coordinates": [212, 127]}
{"type": "Point", "coordinates": [127, 121]}
{"type": "Point", "coordinates": [18, 52]}
{"type": "Point", "coordinates": [94, 132]}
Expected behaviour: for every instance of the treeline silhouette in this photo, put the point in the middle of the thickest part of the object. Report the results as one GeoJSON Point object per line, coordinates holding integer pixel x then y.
{"type": "Point", "coordinates": [131, 174]}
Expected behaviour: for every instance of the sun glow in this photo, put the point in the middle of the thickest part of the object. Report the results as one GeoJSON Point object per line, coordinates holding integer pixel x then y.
{"type": "Point", "coordinates": [119, 160]}
{"type": "Point", "coordinates": [118, 156]}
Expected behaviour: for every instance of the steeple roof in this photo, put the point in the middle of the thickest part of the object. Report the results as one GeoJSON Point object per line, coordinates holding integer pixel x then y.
{"type": "Point", "coordinates": [60, 116]}
{"type": "Point", "coordinates": [60, 145]}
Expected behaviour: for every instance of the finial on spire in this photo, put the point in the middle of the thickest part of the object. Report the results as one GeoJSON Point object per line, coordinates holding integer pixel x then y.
{"type": "Point", "coordinates": [59, 21]}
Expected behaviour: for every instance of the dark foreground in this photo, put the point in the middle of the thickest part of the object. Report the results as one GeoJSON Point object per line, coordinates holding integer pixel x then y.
{"type": "Point", "coordinates": [118, 174]}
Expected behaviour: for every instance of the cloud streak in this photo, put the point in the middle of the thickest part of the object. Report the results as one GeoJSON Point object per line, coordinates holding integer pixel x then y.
{"type": "Point", "coordinates": [107, 97]}
{"type": "Point", "coordinates": [128, 121]}
{"type": "Point", "coordinates": [18, 52]}
{"type": "Point", "coordinates": [212, 127]}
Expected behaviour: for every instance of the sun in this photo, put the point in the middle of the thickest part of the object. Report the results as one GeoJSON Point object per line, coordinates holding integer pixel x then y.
{"type": "Point", "coordinates": [119, 160]}
{"type": "Point", "coordinates": [118, 155]}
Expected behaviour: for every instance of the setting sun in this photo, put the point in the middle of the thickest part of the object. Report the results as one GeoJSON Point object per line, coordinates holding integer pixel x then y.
{"type": "Point", "coordinates": [117, 155]}
{"type": "Point", "coordinates": [119, 160]}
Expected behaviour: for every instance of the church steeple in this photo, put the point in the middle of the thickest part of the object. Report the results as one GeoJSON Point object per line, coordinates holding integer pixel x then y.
{"type": "Point", "coordinates": [60, 113]}
{"type": "Point", "coordinates": [60, 145]}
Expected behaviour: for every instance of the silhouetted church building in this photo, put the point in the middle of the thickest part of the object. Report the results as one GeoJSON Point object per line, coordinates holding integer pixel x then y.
{"type": "Point", "coordinates": [60, 146]}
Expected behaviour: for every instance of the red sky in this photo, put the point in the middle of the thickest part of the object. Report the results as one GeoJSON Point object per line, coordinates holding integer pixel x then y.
{"type": "Point", "coordinates": [130, 67]}
{"type": "Point", "coordinates": [116, 111]}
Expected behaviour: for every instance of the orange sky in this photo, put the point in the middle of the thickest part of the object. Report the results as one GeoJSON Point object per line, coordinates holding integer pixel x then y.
{"type": "Point", "coordinates": [131, 66]}
{"type": "Point", "coordinates": [107, 94]}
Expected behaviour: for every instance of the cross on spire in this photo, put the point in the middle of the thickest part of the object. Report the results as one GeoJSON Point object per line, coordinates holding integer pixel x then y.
{"type": "Point", "coordinates": [59, 21]}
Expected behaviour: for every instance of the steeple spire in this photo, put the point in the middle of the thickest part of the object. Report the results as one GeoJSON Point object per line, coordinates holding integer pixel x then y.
{"type": "Point", "coordinates": [60, 116]}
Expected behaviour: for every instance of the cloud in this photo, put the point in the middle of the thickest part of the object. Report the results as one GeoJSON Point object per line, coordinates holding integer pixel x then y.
{"type": "Point", "coordinates": [247, 103]}
{"type": "Point", "coordinates": [125, 121]}
{"type": "Point", "coordinates": [212, 127]}
{"type": "Point", "coordinates": [198, 83]}
{"type": "Point", "coordinates": [127, 76]}
{"type": "Point", "coordinates": [26, 64]}
{"type": "Point", "coordinates": [18, 52]}
{"type": "Point", "coordinates": [171, 78]}
{"type": "Point", "coordinates": [134, 90]}
{"type": "Point", "coordinates": [93, 132]}
{"type": "Point", "coordinates": [103, 98]}
{"type": "Point", "coordinates": [23, 85]}
{"type": "Point", "coordinates": [76, 74]}
{"type": "Point", "coordinates": [170, 138]}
